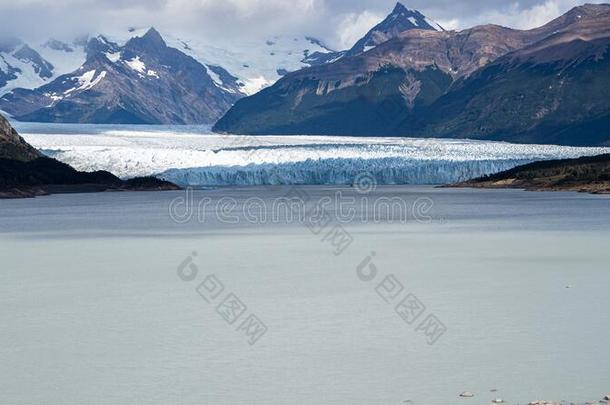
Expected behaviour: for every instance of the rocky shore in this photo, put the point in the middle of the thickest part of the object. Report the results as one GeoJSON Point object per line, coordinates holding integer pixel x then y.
{"type": "Point", "coordinates": [587, 174]}
{"type": "Point", "coordinates": [604, 400]}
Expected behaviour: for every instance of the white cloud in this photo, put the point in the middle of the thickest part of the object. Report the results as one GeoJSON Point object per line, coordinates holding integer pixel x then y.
{"type": "Point", "coordinates": [354, 26]}
{"type": "Point", "coordinates": [517, 14]}
{"type": "Point", "coordinates": [514, 16]}
{"type": "Point", "coordinates": [338, 22]}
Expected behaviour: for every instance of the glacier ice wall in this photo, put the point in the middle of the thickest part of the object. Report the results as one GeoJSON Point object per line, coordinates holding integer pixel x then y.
{"type": "Point", "coordinates": [203, 159]}
{"type": "Point", "coordinates": [341, 171]}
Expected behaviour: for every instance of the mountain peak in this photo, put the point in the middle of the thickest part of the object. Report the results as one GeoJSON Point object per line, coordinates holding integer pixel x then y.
{"type": "Point", "coordinates": [399, 7]}
{"type": "Point", "coordinates": [153, 36]}
{"type": "Point", "coordinates": [150, 42]}
{"type": "Point", "coordinates": [401, 19]}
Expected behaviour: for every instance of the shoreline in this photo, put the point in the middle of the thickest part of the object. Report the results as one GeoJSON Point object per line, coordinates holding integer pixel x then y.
{"type": "Point", "coordinates": [589, 174]}
{"type": "Point", "coordinates": [46, 190]}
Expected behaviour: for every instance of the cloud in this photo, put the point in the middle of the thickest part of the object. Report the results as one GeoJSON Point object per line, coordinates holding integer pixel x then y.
{"type": "Point", "coordinates": [517, 14]}
{"type": "Point", "coordinates": [354, 26]}
{"type": "Point", "coordinates": [338, 22]}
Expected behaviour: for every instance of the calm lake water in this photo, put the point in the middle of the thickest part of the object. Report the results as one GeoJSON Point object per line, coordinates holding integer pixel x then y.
{"type": "Point", "coordinates": [99, 299]}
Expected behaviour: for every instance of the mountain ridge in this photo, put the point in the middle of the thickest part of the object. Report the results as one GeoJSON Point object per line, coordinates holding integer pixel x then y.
{"type": "Point", "coordinates": [142, 82]}
{"type": "Point", "coordinates": [401, 19]}
{"type": "Point", "coordinates": [398, 87]}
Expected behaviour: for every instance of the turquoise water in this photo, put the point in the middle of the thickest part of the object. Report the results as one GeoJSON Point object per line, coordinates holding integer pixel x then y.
{"type": "Point", "coordinates": [93, 309]}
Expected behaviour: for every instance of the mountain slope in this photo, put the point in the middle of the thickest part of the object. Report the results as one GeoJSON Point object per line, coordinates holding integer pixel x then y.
{"type": "Point", "coordinates": [13, 146]}
{"type": "Point", "coordinates": [554, 91]}
{"type": "Point", "coordinates": [25, 65]}
{"type": "Point", "coordinates": [469, 84]}
{"type": "Point", "coordinates": [142, 82]}
{"type": "Point", "coordinates": [400, 20]}
{"type": "Point", "coordinates": [258, 63]}
{"type": "Point", "coordinates": [371, 93]}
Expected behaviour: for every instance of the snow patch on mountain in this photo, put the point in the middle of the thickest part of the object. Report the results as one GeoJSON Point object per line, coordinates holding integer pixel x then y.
{"type": "Point", "coordinates": [255, 84]}
{"type": "Point", "coordinates": [255, 63]}
{"type": "Point", "coordinates": [136, 64]}
{"type": "Point", "coordinates": [86, 82]}
{"type": "Point", "coordinates": [63, 59]}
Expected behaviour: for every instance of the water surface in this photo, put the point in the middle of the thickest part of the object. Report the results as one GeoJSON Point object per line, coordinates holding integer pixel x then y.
{"type": "Point", "coordinates": [93, 311]}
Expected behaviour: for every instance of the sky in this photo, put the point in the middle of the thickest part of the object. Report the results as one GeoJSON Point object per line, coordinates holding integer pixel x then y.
{"type": "Point", "coordinates": [339, 23]}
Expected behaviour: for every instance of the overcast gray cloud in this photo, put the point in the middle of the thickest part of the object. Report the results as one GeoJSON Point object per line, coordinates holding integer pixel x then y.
{"type": "Point", "coordinates": [338, 22]}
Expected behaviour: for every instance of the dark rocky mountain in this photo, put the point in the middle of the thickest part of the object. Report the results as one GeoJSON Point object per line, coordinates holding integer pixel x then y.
{"type": "Point", "coordinates": [25, 172]}
{"type": "Point", "coordinates": [488, 82]}
{"type": "Point", "coordinates": [13, 146]}
{"type": "Point", "coordinates": [142, 82]}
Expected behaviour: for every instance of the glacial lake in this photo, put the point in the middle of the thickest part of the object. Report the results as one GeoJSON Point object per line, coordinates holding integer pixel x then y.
{"type": "Point", "coordinates": [117, 298]}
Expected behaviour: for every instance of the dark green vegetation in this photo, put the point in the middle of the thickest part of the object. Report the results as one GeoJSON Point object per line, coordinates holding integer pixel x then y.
{"type": "Point", "coordinates": [586, 174]}
{"type": "Point", "coordinates": [547, 85]}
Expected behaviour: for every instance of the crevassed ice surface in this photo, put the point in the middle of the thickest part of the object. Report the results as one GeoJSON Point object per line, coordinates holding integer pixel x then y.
{"type": "Point", "coordinates": [194, 156]}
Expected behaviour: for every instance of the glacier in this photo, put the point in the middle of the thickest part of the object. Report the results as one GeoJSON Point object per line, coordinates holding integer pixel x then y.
{"type": "Point", "coordinates": [193, 156]}
{"type": "Point", "coordinates": [340, 171]}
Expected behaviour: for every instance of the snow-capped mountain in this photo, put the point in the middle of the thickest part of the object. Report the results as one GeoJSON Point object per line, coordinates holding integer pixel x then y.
{"type": "Point", "coordinates": [257, 63]}
{"type": "Point", "coordinates": [56, 80]}
{"type": "Point", "coordinates": [401, 19]}
{"type": "Point", "coordinates": [143, 81]}
{"type": "Point", "coordinates": [78, 80]}
{"type": "Point", "coordinates": [31, 65]}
